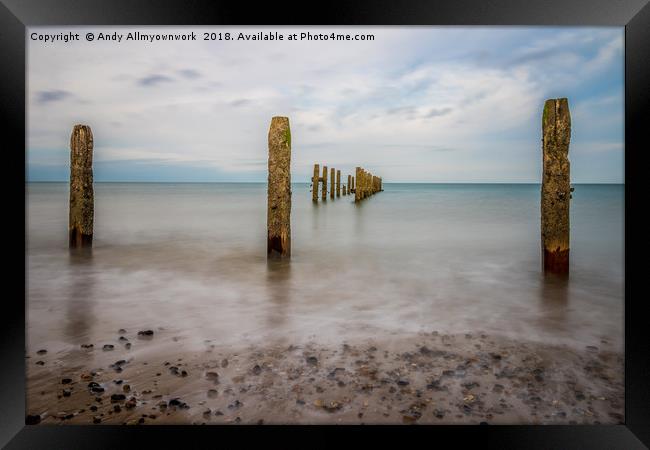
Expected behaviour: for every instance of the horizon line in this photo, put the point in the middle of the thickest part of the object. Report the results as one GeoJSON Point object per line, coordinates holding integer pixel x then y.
{"type": "Point", "coordinates": [307, 182]}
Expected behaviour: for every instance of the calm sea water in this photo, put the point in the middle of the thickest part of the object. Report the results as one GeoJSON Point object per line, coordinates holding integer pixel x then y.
{"type": "Point", "coordinates": [191, 258]}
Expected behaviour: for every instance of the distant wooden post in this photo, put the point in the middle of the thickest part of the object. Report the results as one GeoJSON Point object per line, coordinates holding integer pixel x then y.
{"type": "Point", "coordinates": [324, 193]}
{"type": "Point", "coordinates": [279, 188]}
{"type": "Point", "coordinates": [338, 183]}
{"type": "Point", "coordinates": [357, 191]}
{"type": "Point", "coordinates": [349, 183]}
{"type": "Point", "coordinates": [332, 180]}
{"type": "Point", "coordinates": [381, 186]}
{"type": "Point", "coordinates": [315, 180]}
{"type": "Point", "coordinates": [344, 190]}
{"type": "Point", "coordinates": [354, 187]}
{"type": "Point", "coordinates": [556, 187]}
{"type": "Point", "coordinates": [82, 196]}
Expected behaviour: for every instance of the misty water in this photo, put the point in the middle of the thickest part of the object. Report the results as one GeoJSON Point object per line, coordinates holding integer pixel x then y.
{"type": "Point", "coordinates": [191, 259]}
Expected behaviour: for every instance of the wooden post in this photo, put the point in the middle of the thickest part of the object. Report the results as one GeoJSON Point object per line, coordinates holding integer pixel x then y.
{"type": "Point", "coordinates": [556, 187]}
{"type": "Point", "coordinates": [324, 192]}
{"type": "Point", "coordinates": [354, 188]}
{"type": "Point", "coordinates": [357, 191]}
{"type": "Point", "coordinates": [82, 196]}
{"type": "Point", "coordinates": [279, 188]}
{"type": "Point", "coordinates": [332, 180]}
{"type": "Point", "coordinates": [381, 186]}
{"type": "Point", "coordinates": [343, 190]}
{"type": "Point", "coordinates": [314, 182]}
{"type": "Point", "coordinates": [349, 183]}
{"type": "Point", "coordinates": [338, 183]}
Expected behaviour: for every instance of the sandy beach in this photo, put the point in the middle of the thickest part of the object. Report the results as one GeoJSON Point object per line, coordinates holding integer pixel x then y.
{"type": "Point", "coordinates": [427, 378]}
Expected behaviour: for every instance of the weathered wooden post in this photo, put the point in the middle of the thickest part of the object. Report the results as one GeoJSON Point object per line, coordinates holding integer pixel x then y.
{"type": "Point", "coordinates": [338, 183]}
{"type": "Point", "coordinates": [349, 183]}
{"type": "Point", "coordinates": [332, 180]}
{"type": "Point", "coordinates": [324, 192]}
{"type": "Point", "coordinates": [353, 185]}
{"type": "Point", "coordinates": [556, 187]}
{"type": "Point", "coordinates": [314, 182]}
{"type": "Point", "coordinates": [343, 189]}
{"type": "Point", "coordinates": [279, 188]}
{"type": "Point", "coordinates": [82, 196]}
{"type": "Point", "coordinates": [357, 191]}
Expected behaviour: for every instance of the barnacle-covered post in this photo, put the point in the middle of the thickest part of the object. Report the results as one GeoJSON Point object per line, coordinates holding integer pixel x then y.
{"type": "Point", "coordinates": [82, 197]}
{"type": "Point", "coordinates": [556, 185]}
{"type": "Point", "coordinates": [279, 188]}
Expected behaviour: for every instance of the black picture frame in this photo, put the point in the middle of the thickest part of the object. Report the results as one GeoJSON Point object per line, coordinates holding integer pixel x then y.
{"type": "Point", "coordinates": [16, 15]}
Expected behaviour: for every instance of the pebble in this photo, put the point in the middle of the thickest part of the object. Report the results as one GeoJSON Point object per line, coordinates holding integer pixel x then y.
{"type": "Point", "coordinates": [145, 333]}
{"type": "Point", "coordinates": [66, 380]}
{"type": "Point", "coordinates": [118, 397]}
{"type": "Point", "coordinates": [311, 360]}
{"type": "Point", "coordinates": [212, 376]}
{"type": "Point", "coordinates": [257, 370]}
{"type": "Point", "coordinates": [108, 347]}
{"type": "Point", "coordinates": [41, 352]}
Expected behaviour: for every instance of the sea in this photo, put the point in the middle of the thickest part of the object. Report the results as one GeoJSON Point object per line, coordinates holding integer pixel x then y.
{"type": "Point", "coordinates": [190, 258]}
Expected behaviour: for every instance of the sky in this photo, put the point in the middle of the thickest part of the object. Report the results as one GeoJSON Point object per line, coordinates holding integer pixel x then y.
{"type": "Point", "coordinates": [416, 104]}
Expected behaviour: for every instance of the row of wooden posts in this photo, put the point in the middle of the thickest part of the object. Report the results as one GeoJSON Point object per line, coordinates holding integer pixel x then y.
{"type": "Point", "coordinates": [555, 193]}
{"type": "Point", "coordinates": [367, 184]}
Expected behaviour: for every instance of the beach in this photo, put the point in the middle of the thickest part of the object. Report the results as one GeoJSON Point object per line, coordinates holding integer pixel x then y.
{"type": "Point", "coordinates": [424, 304]}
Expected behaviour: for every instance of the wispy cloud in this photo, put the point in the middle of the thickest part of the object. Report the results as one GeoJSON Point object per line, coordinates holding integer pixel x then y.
{"type": "Point", "coordinates": [51, 96]}
{"type": "Point", "coordinates": [152, 80]}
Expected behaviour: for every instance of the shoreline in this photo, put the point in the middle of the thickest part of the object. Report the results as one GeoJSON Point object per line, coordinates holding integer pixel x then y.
{"type": "Point", "coordinates": [422, 378]}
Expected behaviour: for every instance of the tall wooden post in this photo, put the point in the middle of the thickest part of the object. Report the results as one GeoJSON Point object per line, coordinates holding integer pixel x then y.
{"type": "Point", "coordinates": [332, 180]}
{"type": "Point", "coordinates": [354, 188]}
{"type": "Point", "coordinates": [349, 183]}
{"type": "Point", "coordinates": [324, 192]}
{"type": "Point", "coordinates": [314, 183]}
{"type": "Point", "coordinates": [82, 196]}
{"type": "Point", "coordinates": [279, 188]}
{"type": "Point", "coordinates": [338, 183]}
{"type": "Point", "coordinates": [357, 191]}
{"type": "Point", "coordinates": [556, 185]}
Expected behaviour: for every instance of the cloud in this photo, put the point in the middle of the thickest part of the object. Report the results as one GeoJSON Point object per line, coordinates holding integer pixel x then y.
{"type": "Point", "coordinates": [240, 102]}
{"type": "Point", "coordinates": [189, 73]}
{"type": "Point", "coordinates": [152, 80]}
{"type": "Point", "coordinates": [51, 96]}
{"type": "Point", "coordinates": [438, 112]}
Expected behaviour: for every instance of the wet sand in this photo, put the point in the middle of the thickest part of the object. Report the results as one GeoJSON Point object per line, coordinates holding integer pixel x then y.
{"type": "Point", "coordinates": [420, 378]}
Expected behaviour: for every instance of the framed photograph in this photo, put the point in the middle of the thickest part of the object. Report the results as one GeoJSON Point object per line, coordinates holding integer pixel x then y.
{"type": "Point", "coordinates": [410, 218]}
